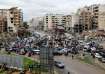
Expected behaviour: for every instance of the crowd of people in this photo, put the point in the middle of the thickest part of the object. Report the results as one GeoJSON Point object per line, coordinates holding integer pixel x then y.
{"type": "Point", "coordinates": [61, 44]}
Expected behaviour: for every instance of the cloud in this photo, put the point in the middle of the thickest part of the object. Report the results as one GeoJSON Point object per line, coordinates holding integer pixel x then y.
{"type": "Point", "coordinates": [32, 8]}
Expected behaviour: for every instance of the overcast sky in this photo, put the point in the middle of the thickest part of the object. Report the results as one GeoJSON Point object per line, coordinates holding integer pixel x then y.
{"type": "Point", "coordinates": [33, 8]}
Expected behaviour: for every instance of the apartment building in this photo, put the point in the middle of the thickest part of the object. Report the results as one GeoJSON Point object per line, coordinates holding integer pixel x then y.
{"type": "Point", "coordinates": [3, 25]}
{"type": "Point", "coordinates": [92, 17]}
{"type": "Point", "coordinates": [75, 25]}
{"type": "Point", "coordinates": [52, 21]}
{"type": "Point", "coordinates": [101, 17]}
{"type": "Point", "coordinates": [68, 23]}
{"type": "Point", "coordinates": [85, 18]}
{"type": "Point", "coordinates": [98, 16]}
{"type": "Point", "coordinates": [3, 22]}
{"type": "Point", "coordinates": [13, 18]}
{"type": "Point", "coordinates": [16, 16]}
{"type": "Point", "coordinates": [36, 23]}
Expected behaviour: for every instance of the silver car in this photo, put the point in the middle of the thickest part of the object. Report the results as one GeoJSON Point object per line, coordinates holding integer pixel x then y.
{"type": "Point", "coordinates": [59, 64]}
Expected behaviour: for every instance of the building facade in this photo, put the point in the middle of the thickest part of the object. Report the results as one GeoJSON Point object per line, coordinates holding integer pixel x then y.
{"type": "Point", "coordinates": [70, 23]}
{"type": "Point", "coordinates": [85, 18]}
{"type": "Point", "coordinates": [3, 20]}
{"type": "Point", "coordinates": [12, 18]}
{"type": "Point", "coordinates": [98, 16]}
{"type": "Point", "coordinates": [101, 18]}
{"type": "Point", "coordinates": [3, 25]}
{"type": "Point", "coordinates": [68, 27]}
{"type": "Point", "coordinates": [16, 16]}
{"type": "Point", "coordinates": [92, 17]}
{"type": "Point", "coordinates": [51, 21]}
{"type": "Point", "coordinates": [36, 24]}
{"type": "Point", "coordinates": [75, 25]}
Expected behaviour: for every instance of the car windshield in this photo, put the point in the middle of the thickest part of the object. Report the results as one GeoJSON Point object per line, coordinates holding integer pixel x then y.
{"type": "Point", "coordinates": [59, 49]}
{"type": "Point", "coordinates": [59, 62]}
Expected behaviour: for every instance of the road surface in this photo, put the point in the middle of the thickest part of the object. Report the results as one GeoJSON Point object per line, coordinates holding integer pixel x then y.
{"type": "Point", "coordinates": [77, 67]}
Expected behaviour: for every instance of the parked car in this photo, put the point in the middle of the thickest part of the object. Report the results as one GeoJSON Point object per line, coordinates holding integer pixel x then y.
{"type": "Point", "coordinates": [103, 57]}
{"type": "Point", "coordinates": [59, 64]}
{"type": "Point", "coordinates": [85, 49]}
{"type": "Point", "coordinates": [22, 72]}
{"type": "Point", "coordinates": [33, 51]}
{"type": "Point", "coordinates": [100, 47]}
{"type": "Point", "coordinates": [36, 51]}
{"type": "Point", "coordinates": [58, 51]}
{"type": "Point", "coordinates": [102, 60]}
{"type": "Point", "coordinates": [22, 52]}
{"type": "Point", "coordinates": [97, 55]}
{"type": "Point", "coordinates": [81, 42]}
{"type": "Point", "coordinates": [65, 50]}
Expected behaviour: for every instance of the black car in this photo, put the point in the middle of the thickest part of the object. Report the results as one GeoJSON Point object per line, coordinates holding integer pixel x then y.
{"type": "Point", "coordinates": [58, 51]}
{"type": "Point", "coordinates": [103, 57]}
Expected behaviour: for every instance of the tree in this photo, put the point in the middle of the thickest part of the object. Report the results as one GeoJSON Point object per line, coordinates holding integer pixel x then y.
{"type": "Point", "coordinates": [22, 32]}
{"type": "Point", "coordinates": [25, 25]}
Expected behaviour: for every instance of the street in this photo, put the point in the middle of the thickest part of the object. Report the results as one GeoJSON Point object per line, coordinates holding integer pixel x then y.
{"type": "Point", "coordinates": [76, 67]}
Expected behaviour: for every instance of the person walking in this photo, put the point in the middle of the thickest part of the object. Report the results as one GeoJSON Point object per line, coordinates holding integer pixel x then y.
{"type": "Point", "coordinates": [72, 56]}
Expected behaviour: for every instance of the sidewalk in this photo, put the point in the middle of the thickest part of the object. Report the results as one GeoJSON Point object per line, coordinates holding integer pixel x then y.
{"type": "Point", "coordinates": [89, 60]}
{"type": "Point", "coordinates": [100, 64]}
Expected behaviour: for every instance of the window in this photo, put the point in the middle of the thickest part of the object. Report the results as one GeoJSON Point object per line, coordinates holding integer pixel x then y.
{"type": "Point", "coordinates": [11, 21]}
{"type": "Point", "coordinates": [9, 28]}
{"type": "Point", "coordinates": [11, 18]}
{"type": "Point", "coordinates": [11, 12]}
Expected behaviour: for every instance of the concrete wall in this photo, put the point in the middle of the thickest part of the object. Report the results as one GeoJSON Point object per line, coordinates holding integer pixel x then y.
{"type": "Point", "coordinates": [11, 61]}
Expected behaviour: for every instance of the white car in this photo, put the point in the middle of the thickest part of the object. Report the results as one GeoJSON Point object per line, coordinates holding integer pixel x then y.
{"type": "Point", "coordinates": [65, 50]}
{"type": "Point", "coordinates": [86, 46]}
{"type": "Point", "coordinates": [37, 51]}
{"type": "Point", "coordinates": [84, 49]}
{"type": "Point", "coordinates": [59, 64]}
{"type": "Point", "coordinates": [97, 55]}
